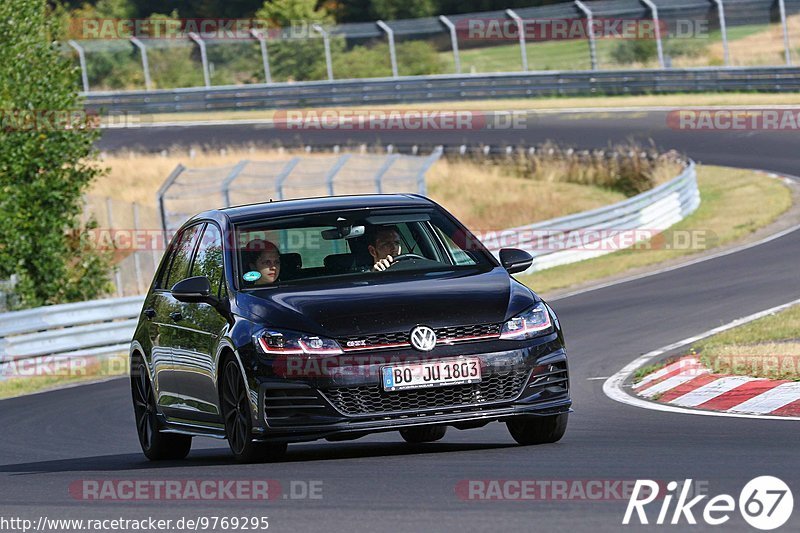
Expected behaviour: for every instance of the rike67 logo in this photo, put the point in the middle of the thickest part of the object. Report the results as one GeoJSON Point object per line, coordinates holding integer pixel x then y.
{"type": "Point", "coordinates": [765, 503]}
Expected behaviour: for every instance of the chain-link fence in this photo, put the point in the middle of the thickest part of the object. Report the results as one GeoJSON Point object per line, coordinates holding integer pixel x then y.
{"type": "Point", "coordinates": [133, 232]}
{"type": "Point", "coordinates": [190, 190]}
{"type": "Point", "coordinates": [578, 35]}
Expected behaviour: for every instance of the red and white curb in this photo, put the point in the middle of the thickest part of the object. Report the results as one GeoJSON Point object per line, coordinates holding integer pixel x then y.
{"type": "Point", "coordinates": [687, 383]}
{"type": "Point", "coordinates": [734, 396]}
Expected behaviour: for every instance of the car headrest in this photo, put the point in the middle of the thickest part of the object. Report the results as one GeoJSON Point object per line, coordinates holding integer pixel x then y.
{"type": "Point", "coordinates": [339, 263]}
{"type": "Point", "coordinates": [291, 262]}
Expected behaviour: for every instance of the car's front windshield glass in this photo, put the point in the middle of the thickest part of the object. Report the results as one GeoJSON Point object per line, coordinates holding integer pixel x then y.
{"type": "Point", "coordinates": [356, 245]}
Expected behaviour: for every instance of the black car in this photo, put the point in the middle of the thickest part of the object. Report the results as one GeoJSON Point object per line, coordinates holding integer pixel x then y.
{"type": "Point", "coordinates": [287, 321]}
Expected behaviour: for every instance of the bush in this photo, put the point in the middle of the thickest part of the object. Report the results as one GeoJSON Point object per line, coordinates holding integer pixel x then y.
{"type": "Point", "coordinates": [44, 169]}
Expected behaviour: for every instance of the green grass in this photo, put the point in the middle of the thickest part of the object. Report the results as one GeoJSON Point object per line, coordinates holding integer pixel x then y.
{"type": "Point", "coordinates": [768, 347]}
{"type": "Point", "coordinates": [727, 213]}
{"type": "Point", "coordinates": [19, 386]}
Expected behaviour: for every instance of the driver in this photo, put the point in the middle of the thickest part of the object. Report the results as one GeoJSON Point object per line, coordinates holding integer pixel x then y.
{"type": "Point", "coordinates": [383, 244]}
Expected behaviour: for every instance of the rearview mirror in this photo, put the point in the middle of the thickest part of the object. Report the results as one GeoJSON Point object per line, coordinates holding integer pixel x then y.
{"type": "Point", "coordinates": [343, 232]}
{"type": "Point", "coordinates": [193, 290]}
{"type": "Point", "coordinates": [515, 260]}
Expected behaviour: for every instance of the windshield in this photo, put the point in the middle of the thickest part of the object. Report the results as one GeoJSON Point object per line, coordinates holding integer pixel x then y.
{"type": "Point", "coordinates": [357, 245]}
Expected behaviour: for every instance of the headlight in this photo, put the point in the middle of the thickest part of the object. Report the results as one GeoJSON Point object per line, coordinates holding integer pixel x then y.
{"type": "Point", "coordinates": [532, 323]}
{"type": "Point", "coordinates": [282, 342]}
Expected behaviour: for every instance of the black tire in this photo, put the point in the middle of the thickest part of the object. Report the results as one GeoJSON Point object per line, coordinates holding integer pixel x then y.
{"type": "Point", "coordinates": [528, 430]}
{"type": "Point", "coordinates": [156, 445]}
{"type": "Point", "coordinates": [237, 415]}
{"type": "Point", "coordinates": [423, 434]}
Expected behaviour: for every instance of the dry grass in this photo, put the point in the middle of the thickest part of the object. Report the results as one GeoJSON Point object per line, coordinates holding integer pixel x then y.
{"type": "Point", "coordinates": [484, 192]}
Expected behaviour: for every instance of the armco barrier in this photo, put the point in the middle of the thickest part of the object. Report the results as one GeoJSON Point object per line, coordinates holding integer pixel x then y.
{"type": "Point", "coordinates": [383, 91]}
{"type": "Point", "coordinates": [650, 212]}
{"type": "Point", "coordinates": [100, 328]}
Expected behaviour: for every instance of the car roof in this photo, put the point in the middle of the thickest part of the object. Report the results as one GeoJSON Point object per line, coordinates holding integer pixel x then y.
{"type": "Point", "coordinates": [305, 206]}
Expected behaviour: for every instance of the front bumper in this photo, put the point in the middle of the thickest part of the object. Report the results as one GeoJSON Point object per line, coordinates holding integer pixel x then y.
{"type": "Point", "coordinates": [531, 379]}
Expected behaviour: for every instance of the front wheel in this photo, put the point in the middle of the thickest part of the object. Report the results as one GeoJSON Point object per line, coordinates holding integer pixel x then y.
{"type": "Point", "coordinates": [528, 430]}
{"type": "Point", "coordinates": [238, 420]}
{"type": "Point", "coordinates": [156, 445]}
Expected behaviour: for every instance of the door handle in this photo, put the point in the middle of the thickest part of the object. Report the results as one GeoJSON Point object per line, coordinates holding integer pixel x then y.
{"type": "Point", "coordinates": [150, 312]}
{"type": "Point", "coordinates": [175, 315]}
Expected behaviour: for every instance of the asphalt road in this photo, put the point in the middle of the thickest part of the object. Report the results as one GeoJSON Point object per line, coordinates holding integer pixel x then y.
{"type": "Point", "coordinates": [378, 483]}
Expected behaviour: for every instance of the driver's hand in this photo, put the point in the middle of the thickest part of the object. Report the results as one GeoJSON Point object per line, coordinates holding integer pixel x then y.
{"type": "Point", "coordinates": [383, 264]}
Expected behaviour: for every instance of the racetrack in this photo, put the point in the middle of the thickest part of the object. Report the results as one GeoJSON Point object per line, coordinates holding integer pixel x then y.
{"type": "Point", "coordinates": [378, 483]}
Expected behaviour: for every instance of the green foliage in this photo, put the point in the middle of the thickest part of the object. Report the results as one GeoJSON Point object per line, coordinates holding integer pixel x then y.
{"type": "Point", "coordinates": [402, 9]}
{"type": "Point", "coordinates": [644, 50]}
{"type": "Point", "coordinates": [413, 58]}
{"type": "Point", "coordinates": [44, 169]}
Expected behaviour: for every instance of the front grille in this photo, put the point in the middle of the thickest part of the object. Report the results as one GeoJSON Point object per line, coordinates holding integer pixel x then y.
{"type": "Point", "coordinates": [374, 400]}
{"type": "Point", "coordinates": [400, 339]}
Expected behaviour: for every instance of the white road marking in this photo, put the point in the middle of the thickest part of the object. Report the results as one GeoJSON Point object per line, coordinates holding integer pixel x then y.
{"type": "Point", "coordinates": [770, 400]}
{"type": "Point", "coordinates": [613, 386]}
{"type": "Point", "coordinates": [709, 391]}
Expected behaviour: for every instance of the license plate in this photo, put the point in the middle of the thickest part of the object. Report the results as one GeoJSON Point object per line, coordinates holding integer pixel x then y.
{"type": "Point", "coordinates": [431, 374]}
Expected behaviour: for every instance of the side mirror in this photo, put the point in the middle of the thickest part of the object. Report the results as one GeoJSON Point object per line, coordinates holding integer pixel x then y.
{"type": "Point", "coordinates": [515, 260]}
{"type": "Point", "coordinates": [193, 290]}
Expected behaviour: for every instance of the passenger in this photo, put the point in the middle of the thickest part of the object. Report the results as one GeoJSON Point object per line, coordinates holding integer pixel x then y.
{"type": "Point", "coordinates": [384, 245]}
{"type": "Point", "coordinates": [263, 257]}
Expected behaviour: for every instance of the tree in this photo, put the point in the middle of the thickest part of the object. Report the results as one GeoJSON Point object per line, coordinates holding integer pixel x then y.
{"type": "Point", "coordinates": [46, 149]}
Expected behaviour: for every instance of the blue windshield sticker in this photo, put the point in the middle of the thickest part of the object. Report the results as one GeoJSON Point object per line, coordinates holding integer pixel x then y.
{"type": "Point", "coordinates": [253, 275]}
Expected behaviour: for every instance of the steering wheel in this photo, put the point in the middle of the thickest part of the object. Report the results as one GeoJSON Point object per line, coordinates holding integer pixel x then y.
{"type": "Point", "coordinates": [405, 257]}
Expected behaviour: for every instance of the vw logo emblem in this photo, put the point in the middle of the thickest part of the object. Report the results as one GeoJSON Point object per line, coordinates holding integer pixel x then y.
{"type": "Point", "coordinates": [423, 338]}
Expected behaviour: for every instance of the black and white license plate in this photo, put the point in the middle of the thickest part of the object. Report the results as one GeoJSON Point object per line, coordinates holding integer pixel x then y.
{"type": "Point", "coordinates": [431, 374]}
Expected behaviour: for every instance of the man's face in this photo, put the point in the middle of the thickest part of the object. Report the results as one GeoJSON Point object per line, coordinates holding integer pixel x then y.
{"type": "Point", "coordinates": [386, 243]}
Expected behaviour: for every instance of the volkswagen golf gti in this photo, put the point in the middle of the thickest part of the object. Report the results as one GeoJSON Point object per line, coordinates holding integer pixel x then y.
{"type": "Point", "coordinates": [333, 318]}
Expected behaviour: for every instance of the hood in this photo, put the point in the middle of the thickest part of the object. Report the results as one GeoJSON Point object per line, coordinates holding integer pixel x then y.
{"type": "Point", "coordinates": [382, 306]}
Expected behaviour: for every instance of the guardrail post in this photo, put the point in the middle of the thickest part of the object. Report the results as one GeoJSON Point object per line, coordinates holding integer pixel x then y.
{"type": "Point", "coordinates": [226, 185]}
{"type": "Point", "coordinates": [523, 49]}
{"type": "Point", "coordinates": [326, 40]}
{"type": "Point", "coordinates": [281, 178]}
{"type": "Point", "coordinates": [110, 219]}
{"type": "Point", "coordinates": [657, 22]}
{"type": "Point", "coordinates": [335, 170]}
{"type": "Point", "coordinates": [136, 260]}
{"type": "Point", "coordinates": [590, 27]}
{"type": "Point", "coordinates": [160, 198]}
{"type": "Point", "coordinates": [392, 54]}
{"type": "Point", "coordinates": [390, 159]}
{"type": "Point", "coordinates": [723, 28]}
{"type": "Point", "coordinates": [145, 64]}
{"type": "Point", "coordinates": [203, 57]}
{"type": "Point", "coordinates": [433, 158]}
{"type": "Point", "coordinates": [82, 60]}
{"type": "Point", "coordinates": [262, 41]}
{"type": "Point", "coordinates": [787, 48]}
{"type": "Point", "coordinates": [453, 41]}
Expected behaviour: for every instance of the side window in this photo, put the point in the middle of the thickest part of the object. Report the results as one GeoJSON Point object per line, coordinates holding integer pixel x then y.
{"type": "Point", "coordinates": [208, 260]}
{"type": "Point", "coordinates": [179, 267]}
{"type": "Point", "coordinates": [460, 257]}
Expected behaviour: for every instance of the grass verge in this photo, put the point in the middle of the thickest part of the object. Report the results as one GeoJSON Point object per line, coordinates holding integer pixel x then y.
{"type": "Point", "coordinates": [517, 104]}
{"type": "Point", "coordinates": [727, 213]}
{"type": "Point", "coordinates": [766, 348]}
{"type": "Point", "coordinates": [46, 376]}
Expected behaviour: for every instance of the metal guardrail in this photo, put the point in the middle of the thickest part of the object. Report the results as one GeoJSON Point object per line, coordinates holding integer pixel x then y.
{"type": "Point", "coordinates": [43, 337]}
{"type": "Point", "coordinates": [100, 328]}
{"type": "Point", "coordinates": [415, 89]}
{"type": "Point", "coordinates": [604, 230]}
